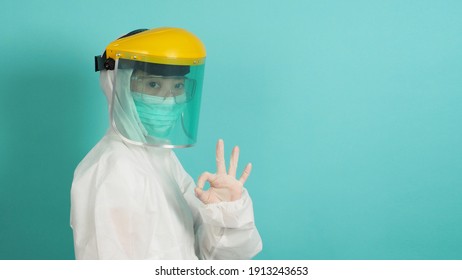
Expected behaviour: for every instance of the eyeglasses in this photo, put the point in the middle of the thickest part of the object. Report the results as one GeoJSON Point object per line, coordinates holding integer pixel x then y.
{"type": "Point", "coordinates": [181, 88]}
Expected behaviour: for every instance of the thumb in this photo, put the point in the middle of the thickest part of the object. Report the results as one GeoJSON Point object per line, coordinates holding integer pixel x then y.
{"type": "Point", "coordinates": [200, 194]}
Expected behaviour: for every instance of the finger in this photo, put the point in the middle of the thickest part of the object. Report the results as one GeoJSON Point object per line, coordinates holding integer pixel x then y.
{"type": "Point", "coordinates": [200, 194]}
{"type": "Point", "coordinates": [204, 177]}
{"type": "Point", "coordinates": [220, 157]}
{"type": "Point", "coordinates": [246, 173]}
{"type": "Point", "coordinates": [233, 162]}
{"type": "Point", "coordinates": [203, 196]}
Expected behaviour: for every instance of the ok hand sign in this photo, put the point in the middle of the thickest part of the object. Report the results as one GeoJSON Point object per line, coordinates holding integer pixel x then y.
{"type": "Point", "coordinates": [223, 186]}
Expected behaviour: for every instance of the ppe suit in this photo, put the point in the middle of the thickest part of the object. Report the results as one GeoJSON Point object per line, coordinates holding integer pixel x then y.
{"type": "Point", "coordinates": [133, 201]}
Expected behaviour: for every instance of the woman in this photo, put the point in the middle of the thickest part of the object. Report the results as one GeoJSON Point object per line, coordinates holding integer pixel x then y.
{"type": "Point", "coordinates": [131, 198]}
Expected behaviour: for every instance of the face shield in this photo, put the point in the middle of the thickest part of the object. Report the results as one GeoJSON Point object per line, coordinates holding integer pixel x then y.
{"type": "Point", "coordinates": [157, 88]}
{"type": "Point", "coordinates": [157, 104]}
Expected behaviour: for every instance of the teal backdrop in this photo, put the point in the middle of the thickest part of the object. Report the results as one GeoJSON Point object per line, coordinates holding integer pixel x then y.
{"type": "Point", "coordinates": [350, 112]}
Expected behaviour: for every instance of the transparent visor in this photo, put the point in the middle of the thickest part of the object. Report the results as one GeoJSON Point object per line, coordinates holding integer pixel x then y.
{"type": "Point", "coordinates": [157, 104]}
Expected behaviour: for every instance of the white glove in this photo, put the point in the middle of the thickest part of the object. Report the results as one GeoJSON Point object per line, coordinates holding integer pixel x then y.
{"type": "Point", "coordinates": [223, 186]}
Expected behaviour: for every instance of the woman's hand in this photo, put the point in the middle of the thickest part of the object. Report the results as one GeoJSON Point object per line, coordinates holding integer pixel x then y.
{"type": "Point", "coordinates": [223, 186]}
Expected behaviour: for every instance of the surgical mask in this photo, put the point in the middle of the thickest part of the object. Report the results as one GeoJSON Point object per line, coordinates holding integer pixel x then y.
{"type": "Point", "coordinates": [157, 114]}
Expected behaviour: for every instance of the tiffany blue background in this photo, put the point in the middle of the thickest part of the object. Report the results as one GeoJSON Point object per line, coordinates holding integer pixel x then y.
{"type": "Point", "coordinates": [350, 112]}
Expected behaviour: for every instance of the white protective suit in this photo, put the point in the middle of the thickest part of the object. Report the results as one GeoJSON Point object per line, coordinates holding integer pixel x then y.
{"type": "Point", "coordinates": [137, 202]}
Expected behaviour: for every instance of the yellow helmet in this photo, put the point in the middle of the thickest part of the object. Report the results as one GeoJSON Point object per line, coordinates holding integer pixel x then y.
{"type": "Point", "coordinates": [164, 45]}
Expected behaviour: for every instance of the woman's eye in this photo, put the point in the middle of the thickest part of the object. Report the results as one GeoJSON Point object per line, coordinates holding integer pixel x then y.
{"type": "Point", "coordinates": [154, 85]}
{"type": "Point", "coordinates": [179, 86]}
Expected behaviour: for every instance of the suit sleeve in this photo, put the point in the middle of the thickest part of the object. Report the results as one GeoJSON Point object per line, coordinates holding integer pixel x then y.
{"type": "Point", "coordinates": [106, 217]}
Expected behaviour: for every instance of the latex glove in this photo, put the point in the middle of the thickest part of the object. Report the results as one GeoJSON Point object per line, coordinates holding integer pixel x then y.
{"type": "Point", "coordinates": [223, 186]}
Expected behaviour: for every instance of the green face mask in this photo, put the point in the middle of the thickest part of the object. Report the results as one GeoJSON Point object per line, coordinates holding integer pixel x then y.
{"type": "Point", "coordinates": [157, 114]}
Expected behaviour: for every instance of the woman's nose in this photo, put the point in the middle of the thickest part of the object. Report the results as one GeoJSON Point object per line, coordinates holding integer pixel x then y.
{"type": "Point", "coordinates": [166, 92]}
